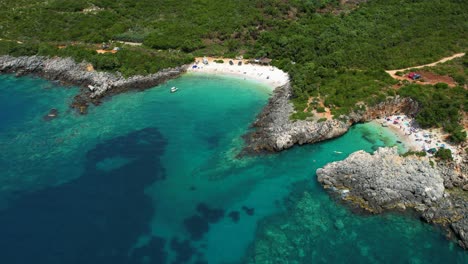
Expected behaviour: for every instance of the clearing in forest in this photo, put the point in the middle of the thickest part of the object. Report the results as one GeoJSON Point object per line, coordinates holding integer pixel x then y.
{"type": "Point", "coordinates": [427, 77]}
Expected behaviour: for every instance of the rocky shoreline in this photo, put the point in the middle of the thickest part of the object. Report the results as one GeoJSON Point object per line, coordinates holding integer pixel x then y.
{"type": "Point", "coordinates": [274, 131]}
{"type": "Point", "coordinates": [68, 72]}
{"type": "Point", "coordinates": [379, 182]}
{"type": "Point", "coordinates": [386, 181]}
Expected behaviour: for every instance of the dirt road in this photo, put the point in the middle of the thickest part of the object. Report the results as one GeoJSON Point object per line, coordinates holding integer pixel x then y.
{"type": "Point", "coordinates": [392, 72]}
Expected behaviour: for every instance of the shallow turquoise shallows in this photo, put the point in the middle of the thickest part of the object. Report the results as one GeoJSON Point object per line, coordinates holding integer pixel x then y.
{"type": "Point", "coordinates": [154, 177]}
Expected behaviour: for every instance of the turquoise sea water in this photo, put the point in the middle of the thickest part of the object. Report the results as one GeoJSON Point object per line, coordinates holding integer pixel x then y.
{"type": "Point", "coordinates": [153, 177]}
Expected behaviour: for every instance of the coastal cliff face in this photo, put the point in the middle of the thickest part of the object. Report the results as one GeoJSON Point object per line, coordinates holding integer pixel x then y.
{"type": "Point", "coordinates": [392, 106]}
{"type": "Point", "coordinates": [274, 130]}
{"type": "Point", "coordinates": [385, 181]}
{"type": "Point", "coordinates": [68, 72]}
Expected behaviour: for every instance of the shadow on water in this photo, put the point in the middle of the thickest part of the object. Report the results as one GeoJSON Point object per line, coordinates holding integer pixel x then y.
{"type": "Point", "coordinates": [96, 218]}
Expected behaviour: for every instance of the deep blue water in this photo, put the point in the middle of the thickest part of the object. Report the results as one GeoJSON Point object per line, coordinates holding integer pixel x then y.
{"type": "Point", "coordinates": [86, 220]}
{"type": "Point", "coordinates": [152, 177]}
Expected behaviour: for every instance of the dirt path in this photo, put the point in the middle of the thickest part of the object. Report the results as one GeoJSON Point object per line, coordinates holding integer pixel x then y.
{"type": "Point", "coordinates": [17, 41]}
{"type": "Point", "coordinates": [393, 72]}
{"type": "Point", "coordinates": [130, 43]}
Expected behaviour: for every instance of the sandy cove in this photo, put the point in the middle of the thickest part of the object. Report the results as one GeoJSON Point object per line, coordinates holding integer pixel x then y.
{"type": "Point", "coordinates": [269, 75]}
{"type": "Point", "coordinates": [418, 139]}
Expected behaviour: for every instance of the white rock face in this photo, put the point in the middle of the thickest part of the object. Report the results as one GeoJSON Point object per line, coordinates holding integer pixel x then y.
{"type": "Point", "coordinates": [384, 179]}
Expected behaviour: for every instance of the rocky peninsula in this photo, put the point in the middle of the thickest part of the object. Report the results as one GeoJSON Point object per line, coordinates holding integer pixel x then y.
{"type": "Point", "coordinates": [387, 181]}
{"type": "Point", "coordinates": [68, 72]}
{"type": "Point", "coordinates": [275, 131]}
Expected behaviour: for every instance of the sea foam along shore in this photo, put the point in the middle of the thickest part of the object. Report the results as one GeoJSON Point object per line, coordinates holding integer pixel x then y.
{"type": "Point", "coordinates": [269, 75]}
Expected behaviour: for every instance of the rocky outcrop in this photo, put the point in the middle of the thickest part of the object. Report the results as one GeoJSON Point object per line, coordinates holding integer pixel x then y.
{"type": "Point", "coordinates": [274, 130]}
{"type": "Point", "coordinates": [456, 174]}
{"type": "Point", "coordinates": [386, 180]}
{"type": "Point", "coordinates": [68, 72]}
{"type": "Point", "coordinates": [392, 106]}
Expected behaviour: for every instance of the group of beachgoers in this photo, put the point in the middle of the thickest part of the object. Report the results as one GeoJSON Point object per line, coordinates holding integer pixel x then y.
{"type": "Point", "coordinates": [241, 68]}
{"type": "Point", "coordinates": [416, 138]}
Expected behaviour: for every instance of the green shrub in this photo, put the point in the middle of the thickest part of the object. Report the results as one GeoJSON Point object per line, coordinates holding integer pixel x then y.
{"type": "Point", "coordinates": [323, 119]}
{"type": "Point", "coordinates": [320, 109]}
{"type": "Point", "coordinates": [414, 153]}
{"type": "Point", "coordinates": [458, 135]}
{"type": "Point", "coordinates": [459, 79]}
{"type": "Point", "coordinates": [441, 86]}
{"type": "Point", "coordinates": [444, 154]}
{"type": "Point", "coordinates": [300, 115]}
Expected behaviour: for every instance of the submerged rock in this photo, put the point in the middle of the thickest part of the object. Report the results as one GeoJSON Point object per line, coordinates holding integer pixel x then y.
{"type": "Point", "coordinates": [211, 215]}
{"type": "Point", "coordinates": [248, 210]}
{"type": "Point", "coordinates": [235, 216]}
{"type": "Point", "coordinates": [386, 180]}
{"type": "Point", "coordinates": [197, 226]}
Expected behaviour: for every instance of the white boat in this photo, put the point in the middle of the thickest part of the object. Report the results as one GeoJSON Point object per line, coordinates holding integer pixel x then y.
{"type": "Point", "coordinates": [174, 89]}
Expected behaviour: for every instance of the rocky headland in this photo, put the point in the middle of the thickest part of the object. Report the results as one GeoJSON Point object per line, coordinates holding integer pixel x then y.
{"type": "Point", "coordinates": [68, 72]}
{"type": "Point", "coordinates": [387, 181]}
{"type": "Point", "coordinates": [274, 130]}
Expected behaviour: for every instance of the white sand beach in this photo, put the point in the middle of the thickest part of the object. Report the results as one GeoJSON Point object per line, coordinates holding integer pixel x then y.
{"type": "Point", "coordinates": [269, 75]}
{"type": "Point", "coordinates": [418, 139]}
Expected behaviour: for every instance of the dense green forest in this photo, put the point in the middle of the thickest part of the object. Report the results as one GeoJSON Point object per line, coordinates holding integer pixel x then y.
{"type": "Point", "coordinates": [334, 52]}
